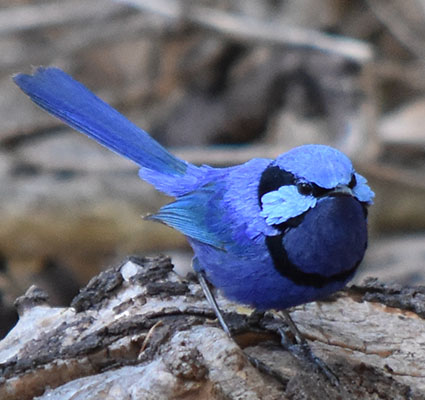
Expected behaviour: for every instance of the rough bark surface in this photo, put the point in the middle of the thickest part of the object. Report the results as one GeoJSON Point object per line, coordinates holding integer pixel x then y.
{"type": "Point", "coordinates": [138, 331]}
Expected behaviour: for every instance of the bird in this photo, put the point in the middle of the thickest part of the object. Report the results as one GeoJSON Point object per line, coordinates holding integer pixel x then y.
{"type": "Point", "coordinates": [268, 233]}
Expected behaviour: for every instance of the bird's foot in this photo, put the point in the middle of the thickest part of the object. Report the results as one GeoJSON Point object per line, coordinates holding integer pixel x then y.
{"type": "Point", "coordinates": [301, 350]}
{"type": "Point", "coordinates": [261, 366]}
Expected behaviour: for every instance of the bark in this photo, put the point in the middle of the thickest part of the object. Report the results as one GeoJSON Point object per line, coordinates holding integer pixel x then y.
{"type": "Point", "coordinates": [139, 331]}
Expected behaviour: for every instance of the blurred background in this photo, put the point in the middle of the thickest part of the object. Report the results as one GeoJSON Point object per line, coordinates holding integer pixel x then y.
{"type": "Point", "coordinates": [218, 82]}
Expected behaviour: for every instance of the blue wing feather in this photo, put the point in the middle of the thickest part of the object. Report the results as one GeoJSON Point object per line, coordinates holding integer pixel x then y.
{"type": "Point", "coordinates": [224, 213]}
{"type": "Point", "coordinates": [191, 214]}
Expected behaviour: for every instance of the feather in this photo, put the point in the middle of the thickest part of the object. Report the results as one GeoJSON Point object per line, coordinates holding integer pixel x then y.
{"type": "Point", "coordinates": [60, 95]}
{"type": "Point", "coordinates": [192, 215]}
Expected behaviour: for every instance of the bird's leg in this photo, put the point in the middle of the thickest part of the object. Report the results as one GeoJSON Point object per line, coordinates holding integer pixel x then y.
{"type": "Point", "coordinates": [262, 367]}
{"type": "Point", "coordinates": [302, 351]}
{"type": "Point", "coordinates": [212, 302]}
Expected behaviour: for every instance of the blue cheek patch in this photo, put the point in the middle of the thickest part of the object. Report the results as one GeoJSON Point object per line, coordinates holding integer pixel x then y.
{"type": "Point", "coordinates": [362, 191]}
{"type": "Point", "coordinates": [285, 203]}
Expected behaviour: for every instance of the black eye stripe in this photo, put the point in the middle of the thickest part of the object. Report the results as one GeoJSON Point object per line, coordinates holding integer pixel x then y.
{"type": "Point", "coordinates": [272, 179]}
{"type": "Point", "coordinates": [318, 191]}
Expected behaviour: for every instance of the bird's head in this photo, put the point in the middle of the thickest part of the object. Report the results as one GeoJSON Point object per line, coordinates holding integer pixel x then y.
{"type": "Point", "coordinates": [294, 182]}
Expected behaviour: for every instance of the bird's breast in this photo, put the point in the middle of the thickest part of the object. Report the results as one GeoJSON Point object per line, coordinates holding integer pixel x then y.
{"type": "Point", "coordinates": [328, 244]}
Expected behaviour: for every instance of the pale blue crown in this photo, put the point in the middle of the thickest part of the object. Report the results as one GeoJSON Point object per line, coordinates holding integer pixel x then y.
{"type": "Point", "coordinates": [319, 164]}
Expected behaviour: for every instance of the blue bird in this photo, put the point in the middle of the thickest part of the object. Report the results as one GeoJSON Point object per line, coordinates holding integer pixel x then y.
{"type": "Point", "coordinates": [271, 234]}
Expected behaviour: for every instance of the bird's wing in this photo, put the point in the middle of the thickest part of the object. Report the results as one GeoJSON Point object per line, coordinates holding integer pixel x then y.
{"type": "Point", "coordinates": [198, 215]}
{"type": "Point", "coordinates": [225, 213]}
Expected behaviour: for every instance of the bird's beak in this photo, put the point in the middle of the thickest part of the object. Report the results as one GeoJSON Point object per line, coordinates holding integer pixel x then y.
{"type": "Point", "coordinates": [342, 190]}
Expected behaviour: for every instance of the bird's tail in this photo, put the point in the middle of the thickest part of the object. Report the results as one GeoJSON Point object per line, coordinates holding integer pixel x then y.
{"type": "Point", "coordinates": [70, 101]}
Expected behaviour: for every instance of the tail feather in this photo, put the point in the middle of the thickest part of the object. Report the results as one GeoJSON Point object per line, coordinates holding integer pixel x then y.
{"type": "Point", "coordinates": [60, 95]}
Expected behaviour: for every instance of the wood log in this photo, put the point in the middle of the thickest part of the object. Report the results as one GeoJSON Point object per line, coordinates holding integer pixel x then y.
{"type": "Point", "coordinates": [140, 331]}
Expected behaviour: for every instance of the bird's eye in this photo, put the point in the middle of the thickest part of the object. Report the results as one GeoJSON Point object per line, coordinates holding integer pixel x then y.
{"type": "Point", "coordinates": [353, 182]}
{"type": "Point", "coordinates": [304, 188]}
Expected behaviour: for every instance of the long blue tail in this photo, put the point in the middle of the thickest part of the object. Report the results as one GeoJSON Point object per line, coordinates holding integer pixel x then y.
{"type": "Point", "coordinates": [60, 95]}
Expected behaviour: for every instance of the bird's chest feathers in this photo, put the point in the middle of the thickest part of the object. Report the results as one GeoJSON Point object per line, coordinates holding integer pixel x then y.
{"type": "Point", "coordinates": [331, 238]}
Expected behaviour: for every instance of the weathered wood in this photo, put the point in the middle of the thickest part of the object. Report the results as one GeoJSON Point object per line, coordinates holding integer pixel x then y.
{"type": "Point", "coordinates": [139, 331]}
